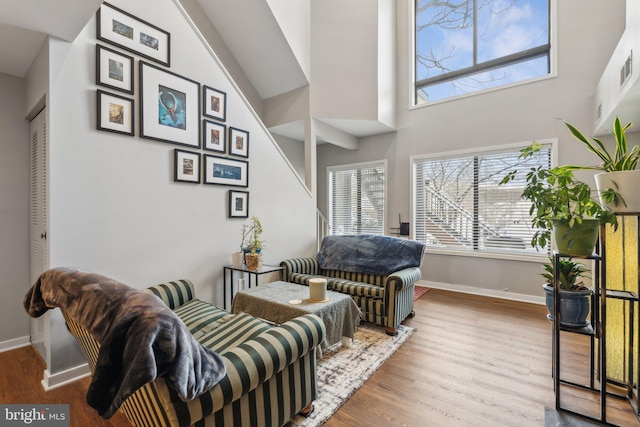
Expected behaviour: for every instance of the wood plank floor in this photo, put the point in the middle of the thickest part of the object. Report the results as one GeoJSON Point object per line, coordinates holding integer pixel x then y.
{"type": "Point", "coordinates": [474, 361]}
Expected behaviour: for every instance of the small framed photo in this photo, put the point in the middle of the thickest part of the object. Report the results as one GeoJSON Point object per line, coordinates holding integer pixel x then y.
{"type": "Point", "coordinates": [238, 204]}
{"type": "Point", "coordinates": [238, 142]}
{"type": "Point", "coordinates": [225, 171]}
{"type": "Point", "coordinates": [214, 136]}
{"type": "Point", "coordinates": [114, 69]}
{"type": "Point", "coordinates": [214, 103]}
{"type": "Point", "coordinates": [169, 106]}
{"type": "Point", "coordinates": [186, 166]}
{"type": "Point", "coordinates": [124, 30]}
{"type": "Point", "coordinates": [115, 113]}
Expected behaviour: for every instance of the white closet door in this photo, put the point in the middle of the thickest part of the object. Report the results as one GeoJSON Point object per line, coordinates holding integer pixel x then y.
{"type": "Point", "coordinates": [39, 211]}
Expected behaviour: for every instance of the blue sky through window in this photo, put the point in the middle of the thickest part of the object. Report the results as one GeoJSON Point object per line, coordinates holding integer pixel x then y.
{"type": "Point", "coordinates": [445, 36]}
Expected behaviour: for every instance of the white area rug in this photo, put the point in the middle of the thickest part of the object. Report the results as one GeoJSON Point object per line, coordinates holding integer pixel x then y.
{"type": "Point", "coordinates": [342, 371]}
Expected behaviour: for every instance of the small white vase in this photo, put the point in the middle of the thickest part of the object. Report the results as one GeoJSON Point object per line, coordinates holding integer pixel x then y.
{"type": "Point", "coordinates": [237, 259]}
{"type": "Point", "coordinates": [627, 183]}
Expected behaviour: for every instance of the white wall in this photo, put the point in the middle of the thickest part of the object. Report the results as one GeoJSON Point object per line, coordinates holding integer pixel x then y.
{"type": "Point", "coordinates": [345, 52]}
{"type": "Point", "coordinates": [114, 208]}
{"type": "Point", "coordinates": [14, 210]}
{"type": "Point", "coordinates": [294, 150]}
{"type": "Point", "coordinates": [517, 114]}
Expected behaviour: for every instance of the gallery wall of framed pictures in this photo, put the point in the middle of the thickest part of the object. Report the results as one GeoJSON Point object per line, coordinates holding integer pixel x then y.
{"type": "Point", "coordinates": [172, 108]}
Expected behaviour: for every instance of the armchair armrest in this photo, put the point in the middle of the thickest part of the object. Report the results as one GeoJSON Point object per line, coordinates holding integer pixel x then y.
{"type": "Point", "coordinates": [256, 360]}
{"type": "Point", "coordinates": [175, 293]}
{"type": "Point", "coordinates": [403, 278]}
{"type": "Point", "coordinates": [305, 265]}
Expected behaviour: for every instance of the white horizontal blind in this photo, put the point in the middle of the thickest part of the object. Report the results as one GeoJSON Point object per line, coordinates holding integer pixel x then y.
{"type": "Point", "coordinates": [460, 206]}
{"type": "Point", "coordinates": [357, 198]}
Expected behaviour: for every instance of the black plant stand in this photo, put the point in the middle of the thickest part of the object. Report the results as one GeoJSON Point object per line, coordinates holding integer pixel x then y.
{"type": "Point", "coordinates": [597, 331]}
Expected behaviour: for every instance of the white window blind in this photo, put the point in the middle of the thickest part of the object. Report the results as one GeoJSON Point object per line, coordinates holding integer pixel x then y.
{"type": "Point", "coordinates": [357, 198]}
{"type": "Point", "coordinates": [460, 206]}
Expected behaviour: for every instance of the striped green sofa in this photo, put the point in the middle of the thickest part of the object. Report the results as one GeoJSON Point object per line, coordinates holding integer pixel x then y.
{"type": "Point", "coordinates": [384, 299]}
{"type": "Point", "coordinates": [271, 370]}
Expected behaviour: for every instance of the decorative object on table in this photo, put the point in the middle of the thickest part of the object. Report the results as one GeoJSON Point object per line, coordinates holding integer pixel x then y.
{"type": "Point", "coordinates": [124, 30]}
{"type": "Point", "coordinates": [575, 297]}
{"type": "Point", "coordinates": [214, 103]}
{"type": "Point", "coordinates": [562, 204]}
{"type": "Point", "coordinates": [238, 204]}
{"type": "Point", "coordinates": [237, 259]}
{"type": "Point", "coordinates": [318, 290]}
{"type": "Point", "coordinates": [238, 142]}
{"type": "Point", "coordinates": [252, 244]}
{"type": "Point", "coordinates": [186, 166]}
{"type": "Point", "coordinates": [115, 113]}
{"type": "Point", "coordinates": [619, 180]}
{"type": "Point", "coordinates": [114, 69]}
{"type": "Point", "coordinates": [249, 238]}
{"type": "Point", "coordinates": [170, 107]}
{"type": "Point", "coordinates": [214, 136]}
{"type": "Point", "coordinates": [225, 171]}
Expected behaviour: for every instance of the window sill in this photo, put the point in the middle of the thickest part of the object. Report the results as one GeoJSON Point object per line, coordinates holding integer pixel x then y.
{"type": "Point", "coordinates": [542, 257]}
{"type": "Point", "coordinates": [481, 92]}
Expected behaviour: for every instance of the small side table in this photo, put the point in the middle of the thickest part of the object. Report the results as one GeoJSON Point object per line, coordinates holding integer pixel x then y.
{"type": "Point", "coordinates": [252, 273]}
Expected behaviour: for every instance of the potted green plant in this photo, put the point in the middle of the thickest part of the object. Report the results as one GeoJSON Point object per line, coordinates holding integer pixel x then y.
{"type": "Point", "coordinates": [619, 180]}
{"type": "Point", "coordinates": [252, 244]}
{"type": "Point", "coordinates": [562, 204]}
{"type": "Point", "coordinates": [575, 297]}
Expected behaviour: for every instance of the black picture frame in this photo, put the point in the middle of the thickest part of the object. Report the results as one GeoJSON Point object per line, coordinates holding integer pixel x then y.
{"type": "Point", "coordinates": [186, 166]}
{"type": "Point", "coordinates": [114, 69]}
{"type": "Point", "coordinates": [238, 204]}
{"type": "Point", "coordinates": [238, 142]}
{"type": "Point", "coordinates": [214, 103]}
{"type": "Point", "coordinates": [169, 106]}
{"type": "Point", "coordinates": [122, 29]}
{"type": "Point", "coordinates": [225, 171]}
{"type": "Point", "coordinates": [115, 113]}
{"type": "Point", "coordinates": [214, 136]}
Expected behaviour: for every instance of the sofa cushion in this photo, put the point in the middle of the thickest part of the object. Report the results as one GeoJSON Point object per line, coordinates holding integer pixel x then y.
{"type": "Point", "coordinates": [200, 317]}
{"type": "Point", "coordinates": [232, 331]}
{"type": "Point", "coordinates": [355, 288]}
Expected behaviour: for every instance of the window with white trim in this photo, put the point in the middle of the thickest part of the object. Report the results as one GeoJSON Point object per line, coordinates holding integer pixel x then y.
{"type": "Point", "coordinates": [357, 198]}
{"type": "Point", "coordinates": [465, 46]}
{"type": "Point", "coordinates": [459, 206]}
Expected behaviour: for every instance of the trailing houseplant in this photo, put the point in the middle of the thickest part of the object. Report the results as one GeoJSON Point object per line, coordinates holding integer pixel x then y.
{"type": "Point", "coordinates": [575, 300]}
{"type": "Point", "coordinates": [562, 204]}
{"type": "Point", "coordinates": [619, 180]}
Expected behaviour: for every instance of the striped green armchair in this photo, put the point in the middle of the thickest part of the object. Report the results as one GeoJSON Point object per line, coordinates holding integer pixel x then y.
{"type": "Point", "coordinates": [379, 272]}
{"type": "Point", "coordinates": [270, 370]}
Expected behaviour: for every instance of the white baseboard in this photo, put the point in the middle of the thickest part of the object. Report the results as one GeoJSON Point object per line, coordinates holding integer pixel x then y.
{"type": "Point", "coordinates": [481, 291]}
{"type": "Point", "coordinates": [14, 343]}
{"type": "Point", "coordinates": [50, 382]}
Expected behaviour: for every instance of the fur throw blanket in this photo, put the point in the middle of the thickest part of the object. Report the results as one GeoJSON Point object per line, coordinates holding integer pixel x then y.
{"type": "Point", "coordinates": [371, 254]}
{"type": "Point", "coordinates": [140, 338]}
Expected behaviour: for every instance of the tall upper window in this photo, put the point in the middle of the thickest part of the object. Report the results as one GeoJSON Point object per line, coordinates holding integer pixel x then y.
{"type": "Point", "coordinates": [357, 198]}
{"type": "Point", "coordinates": [459, 206]}
{"type": "Point", "coordinates": [464, 46]}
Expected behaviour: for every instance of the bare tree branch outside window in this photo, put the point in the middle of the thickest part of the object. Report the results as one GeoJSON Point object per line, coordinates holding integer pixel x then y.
{"type": "Point", "coordinates": [468, 45]}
